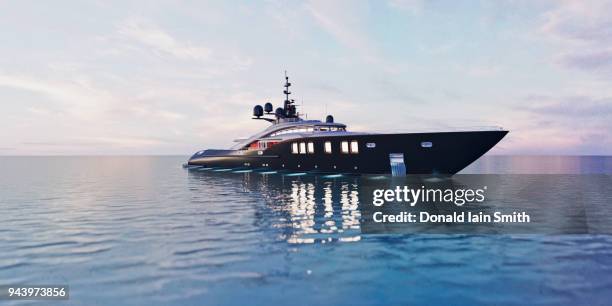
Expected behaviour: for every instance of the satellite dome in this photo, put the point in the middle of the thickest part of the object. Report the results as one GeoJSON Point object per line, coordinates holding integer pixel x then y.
{"type": "Point", "coordinates": [280, 112]}
{"type": "Point", "coordinates": [268, 107]}
{"type": "Point", "coordinates": [257, 111]}
{"type": "Point", "coordinates": [329, 119]}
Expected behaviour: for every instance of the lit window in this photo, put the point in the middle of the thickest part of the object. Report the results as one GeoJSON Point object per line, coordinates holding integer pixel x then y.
{"type": "Point", "coordinates": [310, 148]}
{"type": "Point", "coordinates": [344, 147]}
{"type": "Point", "coordinates": [294, 148]}
{"type": "Point", "coordinates": [302, 148]}
{"type": "Point", "coordinates": [354, 147]}
{"type": "Point", "coordinates": [328, 148]}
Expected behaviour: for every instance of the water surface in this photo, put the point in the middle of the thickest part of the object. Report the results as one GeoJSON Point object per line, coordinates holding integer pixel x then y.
{"type": "Point", "coordinates": [144, 231]}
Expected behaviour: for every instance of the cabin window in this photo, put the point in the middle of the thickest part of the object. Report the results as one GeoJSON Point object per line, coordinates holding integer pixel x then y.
{"type": "Point", "coordinates": [310, 148]}
{"type": "Point", "coordinates": [354, 147]}
{"type": "Point", "coordinates": [344, 147]}
{"type": "Point", "coordinates": [328, 148]}
{"type": "Point", "coordinates": [294, 148]}
{"type": "Point", "coordinates": [300, 129]}
{"type": "Point", "coordinates": [302, 148]}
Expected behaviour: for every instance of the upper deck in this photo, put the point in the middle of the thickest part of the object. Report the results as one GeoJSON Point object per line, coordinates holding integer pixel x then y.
{"type": "Point", "coordinates": [292, 129]}
{"type": "Point", "coordinates": [287, 124]}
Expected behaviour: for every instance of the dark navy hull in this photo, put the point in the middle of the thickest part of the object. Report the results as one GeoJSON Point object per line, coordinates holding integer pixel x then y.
{"type": "Point", "coordinates": [449, 153]}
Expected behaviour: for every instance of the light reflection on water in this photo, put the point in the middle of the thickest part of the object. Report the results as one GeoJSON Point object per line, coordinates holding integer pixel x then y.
{"type": "Point", "coordinates": [311, 209]}
{"type": "Point", "coordinates": [143, 231]}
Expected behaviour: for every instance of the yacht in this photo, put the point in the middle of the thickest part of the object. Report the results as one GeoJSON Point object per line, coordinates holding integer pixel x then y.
{"type": "Point", "coordinates": [294, 144]}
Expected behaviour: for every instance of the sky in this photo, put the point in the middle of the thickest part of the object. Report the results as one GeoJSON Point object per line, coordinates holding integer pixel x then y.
{"type": "Point", "coordinates": [174, 77]}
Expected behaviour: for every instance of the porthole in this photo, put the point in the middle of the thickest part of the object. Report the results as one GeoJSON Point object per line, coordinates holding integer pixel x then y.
{"type": "Point", "coordinates": [426, 144]}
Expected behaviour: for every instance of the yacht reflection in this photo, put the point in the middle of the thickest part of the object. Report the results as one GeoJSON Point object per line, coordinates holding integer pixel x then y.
{"type": "Point", "coordinates": [303, 209]}
{"type": "Point", "coordinates": [319, 209]}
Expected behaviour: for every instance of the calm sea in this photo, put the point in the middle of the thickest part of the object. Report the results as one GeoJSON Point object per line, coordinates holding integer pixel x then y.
{"type": "Point", "coordinates": [144, 231]}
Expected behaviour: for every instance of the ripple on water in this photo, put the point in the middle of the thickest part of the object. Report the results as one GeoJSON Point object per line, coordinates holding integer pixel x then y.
{"type": "Point", "coordinates": [143, 231]}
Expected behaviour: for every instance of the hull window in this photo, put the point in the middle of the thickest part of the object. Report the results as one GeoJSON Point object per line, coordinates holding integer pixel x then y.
{"type": "Point", "coordinates": [294, 148]}
{"type": "Point", "coordinates": [328, 147]}
{"type": "Point", "coordinates": [310, 148]}
{"type": "Point", "coordinates": [426, 144]}
{"type": "Point", "coordinates": [302, 148]}
{"type": "Point", "coordinates": [354, 147]}
{"type": "Point", "coordinates": [371, 145]}
{"type": "Point", "coordinates": [344, 147]}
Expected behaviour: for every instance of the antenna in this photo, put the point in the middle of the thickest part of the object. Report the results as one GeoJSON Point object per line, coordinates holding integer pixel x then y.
{"type": "Point", "coordinates": [290, 110]}
{"type": "Point", "coordinates": [303, 108]}
{"type": "Point", "coordinates": [287, 84]}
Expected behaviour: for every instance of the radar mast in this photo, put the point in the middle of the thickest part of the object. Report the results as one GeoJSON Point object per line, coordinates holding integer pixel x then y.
{"type": "Point", "coordinates": [289, 106]}
{"type": "Point", "coordinates": [286, 113]}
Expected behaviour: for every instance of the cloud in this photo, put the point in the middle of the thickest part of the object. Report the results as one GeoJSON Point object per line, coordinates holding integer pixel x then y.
{"type": "Point", "coordinates": [140, 37]}
{"type": "Point", "coordinates": [584, 31]}
{"type": "Point", "coordinates": [599, 60]}
{"type": "Point", "coordinates": [151, 36]}
{"type": "Point", "coordinates": [544, 124]}
{"type": "Point", "coordinates": [344, 21]}
{"type": "Point", "coordinates": [580, 21]}
{"type": "Point", "coordinates": [572, 107]}
{"type": "Point", "coordinates": [76, 97]}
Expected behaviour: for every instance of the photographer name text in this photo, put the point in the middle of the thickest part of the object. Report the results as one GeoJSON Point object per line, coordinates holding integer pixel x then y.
{"type": "Point", "coordinates": [455, 217]}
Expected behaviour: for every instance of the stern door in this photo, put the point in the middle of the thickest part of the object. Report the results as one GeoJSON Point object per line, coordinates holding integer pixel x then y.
{"type": "Point", "coordinates": [398, 168]}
